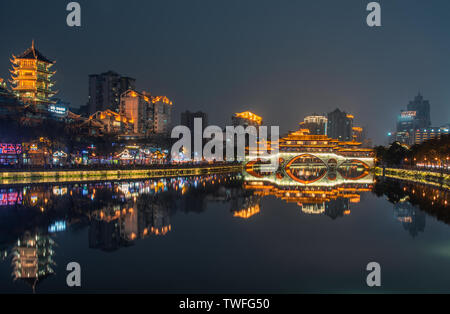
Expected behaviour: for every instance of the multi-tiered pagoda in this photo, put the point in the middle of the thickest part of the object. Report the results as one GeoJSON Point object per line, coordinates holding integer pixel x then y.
{"type": "Point", "coordinates": [31, 77]}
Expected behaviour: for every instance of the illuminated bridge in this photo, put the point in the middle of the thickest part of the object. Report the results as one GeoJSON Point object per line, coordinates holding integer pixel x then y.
{"type": "Point", "coordinates": [313, 160]}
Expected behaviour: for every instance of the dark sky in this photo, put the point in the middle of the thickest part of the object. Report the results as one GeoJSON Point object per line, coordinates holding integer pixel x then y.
{"type": "Point", "coordinates": [281, 59]}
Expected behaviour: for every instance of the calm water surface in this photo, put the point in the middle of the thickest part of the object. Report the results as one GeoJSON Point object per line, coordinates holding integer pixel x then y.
{"type": "Point", "coordinates": [219, 234]}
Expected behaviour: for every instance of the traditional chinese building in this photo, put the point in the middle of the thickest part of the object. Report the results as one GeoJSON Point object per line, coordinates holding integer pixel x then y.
{"type": "Point", "coordinates": [246, 119]}
{"type": "Point", "coordinates": [31, 77]}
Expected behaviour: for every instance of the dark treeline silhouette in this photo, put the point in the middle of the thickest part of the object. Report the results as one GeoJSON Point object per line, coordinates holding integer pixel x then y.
{"type": "Point", "coordinates": [430, 199]}
{"type": "Point", "coordinates": [435, 152]}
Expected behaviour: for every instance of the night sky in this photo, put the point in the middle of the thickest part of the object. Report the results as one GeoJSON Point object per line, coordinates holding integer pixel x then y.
{"type": "Point", "coordinates": [281, 59]}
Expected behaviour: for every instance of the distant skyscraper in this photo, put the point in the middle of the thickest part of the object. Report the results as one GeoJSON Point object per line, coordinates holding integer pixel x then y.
{"type": "Point", "coordinates": [316, 124]}
{"type": "Point", "coordinates": [139, 110]}
{"type": "Point", "coordinates": [163, 114]}
{"type": "Point", "coordinates": [105, 90]}
{"type": "Point", "coordinates": [422, 109]}
{"type": "Point", "coordinates": [416, 119]}
{"type": "Point", "coordinates": [187, 119]}
{"type": "Point", "coordinates": [408, 121]}
{"type": "Point", "coordinates": [340, 125]}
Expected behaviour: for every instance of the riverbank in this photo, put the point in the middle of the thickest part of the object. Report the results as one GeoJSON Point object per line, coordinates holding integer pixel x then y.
{"type": "Point", "coordinates": [52, 176]}
{"type": "Point", "coordinates": [419, 176]}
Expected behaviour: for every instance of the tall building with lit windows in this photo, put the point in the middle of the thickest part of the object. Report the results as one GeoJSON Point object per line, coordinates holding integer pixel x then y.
{"type": "Point", "coordinates": [162, 114]}
{"type": "Point", "coordinates": [423, 111]}
{"type": "Point", "coordinates": [431, 133]}
{"type": "Point", "coordinates": [105, 90]}
{"type": "Point", "coordinates": [149, 114]}
{"type": "Point", "coordinates": [31, 77]}
{"type": "Point", "coordinates": [340, 125]}
{"type": "Point", "coordinates": [138, 108]}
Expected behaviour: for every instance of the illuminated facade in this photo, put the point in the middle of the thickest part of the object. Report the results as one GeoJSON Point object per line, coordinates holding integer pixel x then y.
{"type": "Point", "coordinates": [31, 77]}
{"type": "Point", "coordinates": [162, 114]}
{"type": "Point", "coordinates": [105, 90]}
{"type": "Point", "coordinates": [359, 134]}
{"type": "Point", "coordinates": [319, 174]}
{"type": "Point", "coordinates": [112, 122]}
{"type": "Point", "coordinates": [423, 135]}
{"type": "Point", "coordinates": [246, 119]}
{"type": "Point", "coordinates": [308, 159]}
{"type": "Point", "coordinates": [139, 110]}
{"type": "Point", "coordinates": [316, 124]}
{"type": "Point", "coordinates": [149, 114]}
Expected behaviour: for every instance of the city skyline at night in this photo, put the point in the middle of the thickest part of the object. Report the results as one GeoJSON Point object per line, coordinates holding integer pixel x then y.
{"type": "Point", "coordinates": [224, 155]}
{"type": "Point", "coordinates": [220, 62]}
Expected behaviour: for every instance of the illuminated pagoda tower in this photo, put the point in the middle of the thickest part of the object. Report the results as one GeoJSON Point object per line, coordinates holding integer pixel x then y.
{"type": "Point", "coordinates": [31, 78]}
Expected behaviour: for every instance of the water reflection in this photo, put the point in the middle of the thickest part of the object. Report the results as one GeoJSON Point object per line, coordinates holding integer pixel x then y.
{"type": "Point", "coordinates": [118, 214]}
{"type": "Point", "coordinates": [317, 188]}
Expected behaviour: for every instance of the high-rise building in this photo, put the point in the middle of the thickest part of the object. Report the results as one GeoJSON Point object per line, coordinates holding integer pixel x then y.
{"type": "Point", "coordinates": [316, 124]}
{"type": "Point", "coordinates": [138, 108]}
{"type": "Point", "coordinates": [407, 121]}
{"type": "Point", "coordinates": [415, 119]}
{"type": "Point", "coordinates": [149, 114]}
{"type": "Point", "coordinates": [163, 114]}
{"type": "Point", "coordinates": [423, 135]}
{"type": "Point", "coordinates": [105, 90]}
{"type": "Point", "coordinates": [340, 125]}
{"type": "Point", "coordinates": [31, 77]}
{"type": "Point", "coordinates": [359, 134]}
{"type": "Point", "coordinates": [188, 119]}
{"type": "Point", "coordinates": [422, 109]}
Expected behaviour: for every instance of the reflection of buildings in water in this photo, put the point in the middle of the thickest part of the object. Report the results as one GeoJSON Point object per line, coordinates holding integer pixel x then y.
{"type": "Point", "coordinates": [193, 202]}
{"type": "Point", "coordinates": [413, 200]}
{"type": "Point", "coordinates": [119, 225]}
{"type": "Point", "coordinates": [10, 197]}
{"type": "Point", "coordinates": [337, 208]}
{"type": "Point", "coordinates": [321, 175]}
{"type": "Point", "coordinates": [117, 213]}
{"type": "Point", "coordinates": [333, 201]}
{"type": "Point", "coordinates": [3, 255]}
{"type": "Point", "coordinates": [412, 218]}
{"type": "Point", "coordinates": [159, 222]}
{"type": "Point", "coordinates": [246, 206]}
{"type": "Point", "coordinates": [313, 209]}
{"type": "Point", "coordinates": [33, 258]}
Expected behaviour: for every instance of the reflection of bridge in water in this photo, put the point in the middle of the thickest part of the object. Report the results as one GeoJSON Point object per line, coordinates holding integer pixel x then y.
{"type": "Point", "coordinates": [315, 172]}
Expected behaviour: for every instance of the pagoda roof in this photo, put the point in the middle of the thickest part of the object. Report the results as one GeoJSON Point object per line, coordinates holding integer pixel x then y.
{"type": "Point", "coordinates": [33, 53]}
